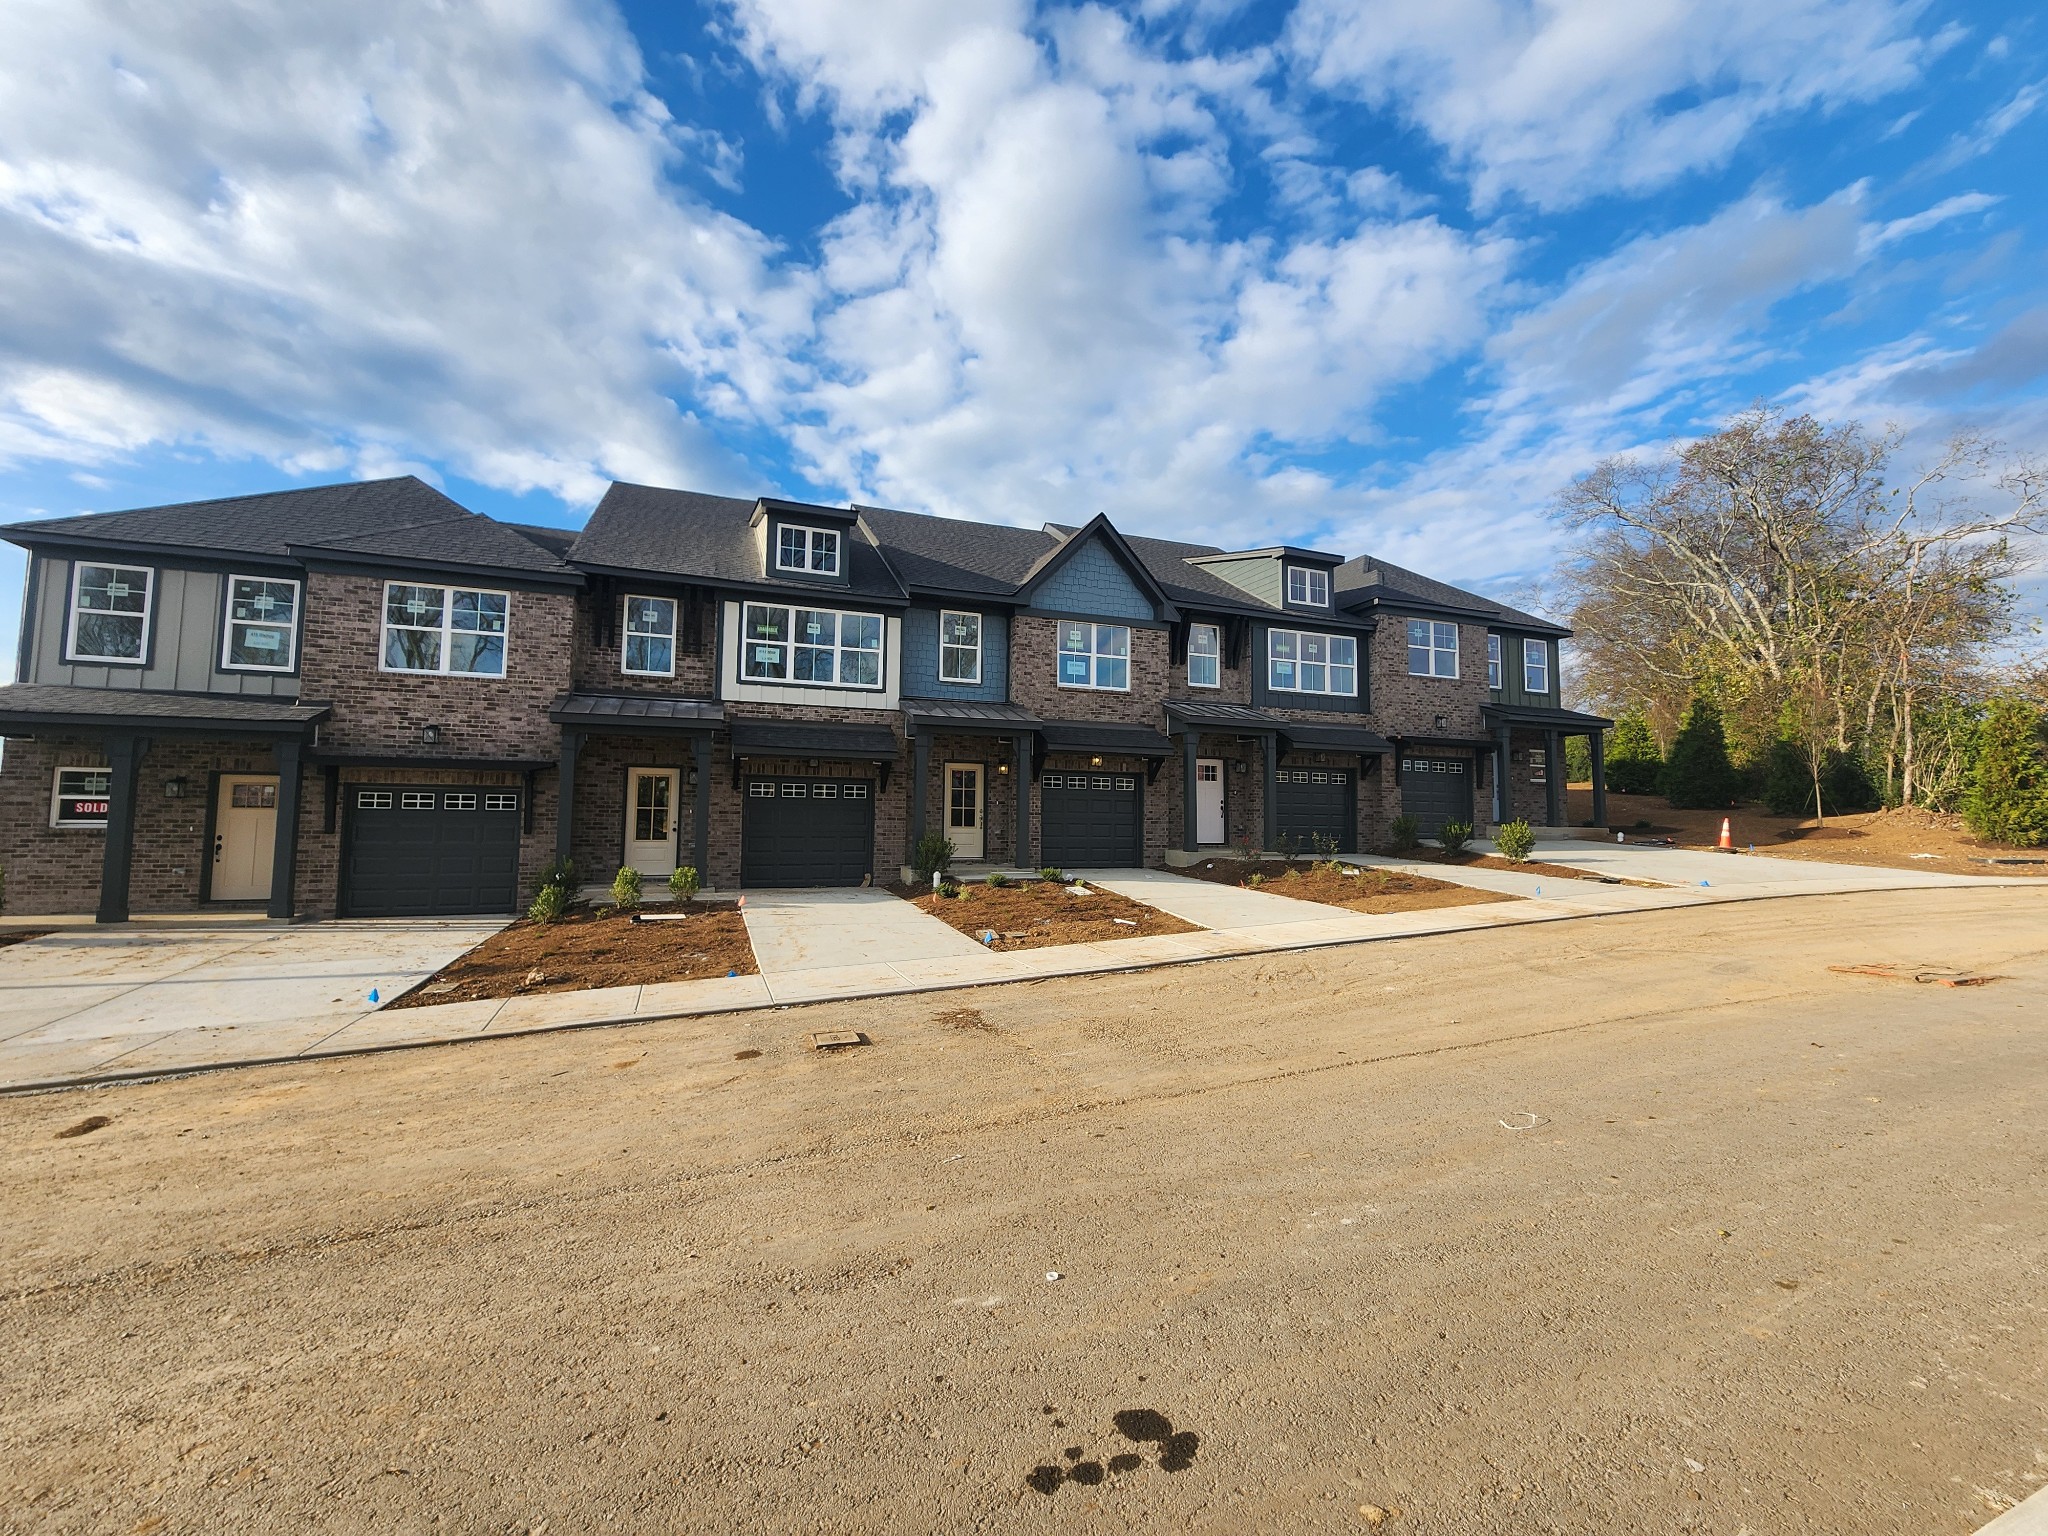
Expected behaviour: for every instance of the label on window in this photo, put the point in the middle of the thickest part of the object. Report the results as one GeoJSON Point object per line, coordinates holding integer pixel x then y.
{"type": "Point", "coordinates": [769, 654]}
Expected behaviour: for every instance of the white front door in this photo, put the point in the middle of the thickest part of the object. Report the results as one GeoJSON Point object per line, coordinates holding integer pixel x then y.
{"type": "Point", "coordinates": [964, 810]}
{"type": "Point", "coordinates": [244, 837]}
{"type": "Point", "coordinates": [651, 795]}
{"type": "Point", "coordinates": [1209, 827]}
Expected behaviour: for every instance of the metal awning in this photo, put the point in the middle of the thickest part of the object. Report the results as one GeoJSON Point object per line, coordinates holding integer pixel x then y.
{"type": "Point", "coordinates": [1468, 743]}
{"type": "Point", "coordinates": [1103, 736]}
{"type": "Point", "coordinates": [1536, 717]}
{"type": "Point", "coordinates": [970, 717]}
{"type": "Point", "coordinates": [1311, 737]}
{"type": "Point", "coordinates": [636, 713]}
{"type": "Point", "coordinates": [1221, 718]}
{"type": "Point", "coordinates": [26, 708]}
{"type": "Point", "coordinates": [802, 738]}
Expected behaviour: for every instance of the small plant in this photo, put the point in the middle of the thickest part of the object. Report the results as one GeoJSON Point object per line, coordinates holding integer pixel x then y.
{"type": "Point", "coordinates": [950, 889]}
{"type": "Point", "coordinates": [1290, 846]}
{"type": "Point", "coordinates": [1053, 875]}
{"type": "Point", "coordinates": [1405, 833]}
{"type": "Point", "coordinates": [549, 902]}
{"type": "Point", "coordinates": [682, 882]}
{"type": "Point", "coordinates": [1255, 879]}
{"type": "Point", "coordinates": [1515, 841]}
{"type": "Point", "coordinates": [1454, 836]}
{"type": "Point", "coordinates": [933, 855]}
{"type": "Point", "coordinates": [1248, 851]}
{"type": "Point", "coordinates": [559, 872]}
{"type": "Point", "coordinates": [997, 880]}
{"type": "Point", "coordinates": [626, 888]}
{"type": "Point", "coordinates": [1326, 851]}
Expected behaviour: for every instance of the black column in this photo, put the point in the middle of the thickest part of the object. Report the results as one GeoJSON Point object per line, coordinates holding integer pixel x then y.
{"type": "Point", "coordinates": [1020, 770]}
{"type": "Point", "coordinates": [1272, 781]}
{"type": "Point", "coordinates": [1597, 740]}
{"type": "Point", "coordinates": [1191, 836]}
{"type": "Point", "coordinates": [284, 855]}
{"type": "Point", "coordinates": [565, 793]}
{"type": "Point", "coordinates": [700, 842]}
{"type": "Point", "coordinates": [1553, 778]}
{"type": "Point", "coordinates": [124, 765]}
{"type": "Point", "coordinates": [1503, 757]}
{"type": "Point", "coordinates": [920, 781]}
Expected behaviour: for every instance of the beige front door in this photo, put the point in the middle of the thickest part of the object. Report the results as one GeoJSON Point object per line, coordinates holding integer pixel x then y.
{"type": "Point", "coordinates": [244, 837]}
{"type": "Point", "coordinates": [964, 810]}
{"type": "Point", "coordinates": [651, 819]}
{"type": "Point", "coordinates": [1209, 823]}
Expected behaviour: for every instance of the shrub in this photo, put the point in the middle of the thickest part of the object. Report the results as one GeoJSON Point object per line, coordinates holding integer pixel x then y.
{"type": "Point", "coordinates": [1787, 788]}
{"type": "Point", "coordinates": [559, 872]}
{"type": "Point", "coordinates": [626, 888]}
{"type": "Point", "coordinates": [1634, 765]}
{"type": "Point", "coordinates": [2007, 798]}
{"type": "Point", "coordinates": [1255, 879]}
{"type": "Point", "coordinates": [950, 889]}
{"type": "Point", "coordinates": [1515, 841]}
{"type": "Point", "coordinates": [933, 855]}
{"type": "Point", "coordinates": [1698, 775]}
{"type": "Point", "coordinates": [997, 880]}
{"type": "Point", "coordinates": [549, 902]}
{"type": "Point", "coordinates": [1247, 850]}
{"type": "Point", "coordinates": [1454, 836]}
{"type": "Point", "coordinates": [1054, 874]}
{"type": "Point", "coordinates": [1405, 833]}
{"type": "Point", "coordinates": [682, 882]}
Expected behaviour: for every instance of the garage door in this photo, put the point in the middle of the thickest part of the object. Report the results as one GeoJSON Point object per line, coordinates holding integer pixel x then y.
{"type": "Point", "coordinates": [1315, 803]}
{"type": "Point", "coordinates": [1090, 820]}
{"type": "Point", "coordinates": [807, 832]}
{"type": "Point", "coordinates": [1435, 790]}
{"type": "Point", "coordinates": [423, 851]}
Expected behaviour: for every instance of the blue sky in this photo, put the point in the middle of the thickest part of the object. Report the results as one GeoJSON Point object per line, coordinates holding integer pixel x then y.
{"type": "Point", "coordinates": [1375, 277]}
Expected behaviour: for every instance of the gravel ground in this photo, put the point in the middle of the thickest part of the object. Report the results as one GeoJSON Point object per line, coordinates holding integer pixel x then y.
{"type": "Point", "coordinates": [1768, 1255]}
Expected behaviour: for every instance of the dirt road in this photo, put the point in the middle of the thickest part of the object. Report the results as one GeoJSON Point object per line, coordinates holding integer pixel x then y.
{"type": "Point", "coordinates": [1647, 1224]}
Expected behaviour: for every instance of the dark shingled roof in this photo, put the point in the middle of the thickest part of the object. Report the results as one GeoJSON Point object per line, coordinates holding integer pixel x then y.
{"type": "Point", "coordinates": [952, 555]}
{"type": "Point", "coordinates": [1365, 581]}
{"type": "Point", "coordinates": [49, 703]}
{"type": "Point", "coordinates": [402, 518]}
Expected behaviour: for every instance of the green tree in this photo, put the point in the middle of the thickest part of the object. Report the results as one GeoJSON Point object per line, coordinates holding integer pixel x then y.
{"type": "Point", "coordinates": [1698, 774]}
{"type": "Point", "coordinates": [1634, 765]}
{"type": "Point", "coordinates": [2007, 801]}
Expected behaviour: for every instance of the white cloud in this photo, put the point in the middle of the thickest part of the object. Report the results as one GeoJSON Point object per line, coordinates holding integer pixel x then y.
{"type": "Point", "coordinates": [1959, 206]}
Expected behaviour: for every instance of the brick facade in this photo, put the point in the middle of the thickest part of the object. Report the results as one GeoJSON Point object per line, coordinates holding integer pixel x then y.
{"type": "Point", "coordinates": [596, 666]}
{"type": "Point", "coordinates": [1034, 677]}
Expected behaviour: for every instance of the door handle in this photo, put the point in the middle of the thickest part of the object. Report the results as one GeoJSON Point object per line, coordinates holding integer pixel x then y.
{"type": "Point", "coordinates": [219, 844]}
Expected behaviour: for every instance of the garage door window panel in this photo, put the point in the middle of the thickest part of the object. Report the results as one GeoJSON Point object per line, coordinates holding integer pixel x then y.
{"type": "Point", "coordinates": [1095, 656]}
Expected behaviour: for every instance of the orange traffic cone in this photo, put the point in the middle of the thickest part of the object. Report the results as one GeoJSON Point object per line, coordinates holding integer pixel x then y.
{"type": "Point", "coordinates": [1727, 837]}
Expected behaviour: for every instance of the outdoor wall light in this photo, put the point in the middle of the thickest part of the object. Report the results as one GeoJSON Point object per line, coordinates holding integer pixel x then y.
{"type": "Point", "coordinates": [810, 762]}
{"type": "Point", "coordinates": [1002, 768]}
{"type": "Point", "coordinates": [430, 735]}
{"type": "Point", "coordinates": [1094, 762]}
{"type": "Point", "coordinates": [174, 789]}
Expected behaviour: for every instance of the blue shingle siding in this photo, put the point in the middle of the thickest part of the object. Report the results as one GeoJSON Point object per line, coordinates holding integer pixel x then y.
{"type": "Point", "coordinates": [921, 656]}
{"type": "Point", "coordinates": [1093, 581]}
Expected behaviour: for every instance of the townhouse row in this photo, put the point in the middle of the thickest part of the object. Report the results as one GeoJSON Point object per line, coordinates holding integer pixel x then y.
{"type": "Point", "coordinates": [365, 700]}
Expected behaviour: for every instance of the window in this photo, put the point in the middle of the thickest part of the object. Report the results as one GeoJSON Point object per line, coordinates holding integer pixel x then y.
{"type": "Point", "coordinates": [109, 612]}
{"type": "Point", "coordinates": [816, 647]}
{"type": "Point", "coordinates": [1205, 656]}
{"type": "Point", "coordinates": [458, 802]}
{"type": "Point", "coordinates": [1095, 655]}
{"type": "Point", "coordinates": [1539, 766]}
{"type": "Point", "coordinates": [1492, 662]}
{"type": "Point", "coordinates": [1308, 586]}
{"type": "Point", "coordinates": [1304, 663]}
{"type": "Point", "coordinates": [814, 550]}
{"type": "Point", "coordinates": [449, 630]}
{"type": "Point", "coordinates": [501, 802]}
{"type": "Point", "coordinates": [78, 798]}
{"type": "Point", "coordinates": [415, 800]}
{"type": "Point", "coordinates": [650, 643]}
{"type": "Point", "coordinates": [373, 799]}
{"type": "Point", "coordinates": [1432, 649]}
{"type": "Point", "coordinates": [262, 622]}
{"type": "Point", "coordinates": [1535, 666]}
{"type": "Point", "coordinates": [959, 647]}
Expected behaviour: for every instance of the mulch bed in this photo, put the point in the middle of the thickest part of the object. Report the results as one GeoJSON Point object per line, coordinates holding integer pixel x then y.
{"type": "Point", "coordinates": [1531, 867]}
{"type": "Point", "coordinates": [22, 935]}
{"type": "Point", "coordinates": [1033, 914]}
{"type": "Point", "coordinates": [1370, 890]}
{"type": "Point", "coordinates": [593, 949]}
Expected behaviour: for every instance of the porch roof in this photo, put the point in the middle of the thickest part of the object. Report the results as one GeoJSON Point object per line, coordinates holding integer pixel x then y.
{"type": "Point", "coordinates": [639, 713]}
{"type": "Point", "coordinates": [29, 707]}
{"type": "Point", "coordinates": [803, 738]}
{"type": "Point", "coordinates": [1104, 736]}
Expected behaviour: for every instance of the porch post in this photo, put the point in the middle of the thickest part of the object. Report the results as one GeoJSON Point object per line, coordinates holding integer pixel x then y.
{"type": "Point", "coordinates": [920, 783]}
{"type": "Point", "coordinates": [565, 793]}
{"type": "Point", "coordinates": [1020, 770]}
{"type": "Point", "coordinates": [1597, 740]}
{"type": "Point", "coordinates": [284, 855]}
{"type": "Point", "coordinates": [700, 841]}
{"type": "Point", "coordinates": [1553, 778]}
{"type": "Point", "coordinates": [124, 766]}
{"type": "Point", "coordinates": [1503, 756]}
{"type": "Point", "coordinates": [1271, 779]}
{"type": "Point", "coordinates": [1190, 827]}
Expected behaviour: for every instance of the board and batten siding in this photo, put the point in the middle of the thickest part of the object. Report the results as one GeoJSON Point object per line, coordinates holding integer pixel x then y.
{"type": "Point", "coordinates": [1511, 690]}
{"type": "Point", "coordinates": [731, 687]}
{"type": "Point", "coordinates": [1265, 697]}
{"type": "Point", "coordinates": [186, 613]}
{"type": "Point", "coordinates": [921, 678]}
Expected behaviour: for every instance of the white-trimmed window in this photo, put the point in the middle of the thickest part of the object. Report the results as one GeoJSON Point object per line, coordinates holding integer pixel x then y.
{"type": "Point", "coordinates": [78, 797]}
{"type": "Point", "coordinates": [1539, 766]}
{"type": "Point", "coordinates": [1301, 662]}
{"type": "Point", "coordinates": [1493, 662]}
{"type": "Point", "coordinates": [1535, 666]}
{"type": "Point", "coordinates": [1205, 656]}
{"type": "Point", "coordinates": [261, 632]}
{"type": "Point", "coordinates": [814, 647]}
{"type": "Point", "coordinates": [649, 648]}
{"type": "Point", "coordinates": [1308, 586]}
{"type": "Point", "coordinates": [959, 647]}
{"type": "Point", "coordinates": [452, 631]}
{"type": "Point", "coordinates": [814, 551]}
{"type": "Point", "coordinates": [1432, 649]}
{"type": "Point", "coordinates": [109, 612]}
{"type": "Point", "coordinates": [1095, 655]}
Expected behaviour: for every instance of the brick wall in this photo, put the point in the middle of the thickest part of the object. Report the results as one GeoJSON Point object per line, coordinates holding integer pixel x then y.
{"type": "Point", "coordinates": [1034, 653]}
{"type": "Point", "coordinates": [1236, 681]}
{"type": "Point", "coordinates": [999, 791]}
{"type": "Point", "coordinates": [1408, 706]}
{"type": "Point", "coordinates": [596, 664]}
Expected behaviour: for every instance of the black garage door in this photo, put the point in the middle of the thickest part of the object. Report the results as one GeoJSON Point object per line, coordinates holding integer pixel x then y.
{"type": "Point", "coordinates": [1090, 820]}
{"type": "Point", "coordinates": [429, 852]}
{"type": "Point", "coordinates": [1435, 790]}
{"type": "Point", "coordinates": [807, 832]}
{"type": "Point", "coordinates": [1316, 803]}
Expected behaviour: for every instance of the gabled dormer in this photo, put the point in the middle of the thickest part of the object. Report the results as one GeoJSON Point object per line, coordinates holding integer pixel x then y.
{"type": "Point", "coordinates": [1302, 581]}
{"type": "Point", "coordinates": [800, 542]}
{"type": "Point", "coordinates": [1094, 572]}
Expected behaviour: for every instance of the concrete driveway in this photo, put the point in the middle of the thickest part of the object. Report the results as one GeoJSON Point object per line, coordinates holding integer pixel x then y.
{"type": "Point", "coordinates": [84, 1000]}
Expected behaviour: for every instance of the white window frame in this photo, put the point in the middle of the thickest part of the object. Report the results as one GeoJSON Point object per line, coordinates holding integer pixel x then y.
{"type": "Point", "coordinates": [229, 621]}
{"type": "Point", "coordinates": [1493, 663]}
{"type": "Point", "coordinates": [1096, 656]}
{"type": "Point", "coordinates": [141, 656]}
{"type": "Point", "coordinates": [945, 645]}
{"type": "Point", "coordinates": [57, 798]}
{"type": "Point", "coordinates": [447, 631]}
{"type": "Point", "coordinates": [1215, 654]}
{"type": "Point", "coordinates": [1314, 579]}
{"type": "Point", "coordinates": [1437, 649]}
{"type": "Point", "coordinates": [627, 632]}
{"type": "Point", "coordinates": [809, 563]}
{"type": "Point", "coordinates": [1535, 663]}
{"type": "Point", "coordinates": [1329, 664]}
{"type": "Point", "coordinates": [788, 645]}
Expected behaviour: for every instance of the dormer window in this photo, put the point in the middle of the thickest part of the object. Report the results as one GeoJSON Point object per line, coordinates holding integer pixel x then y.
{"type": "Point", "coordinates": [813, 551]}
{"type": "Point", "coordinates": [1308, 587]}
